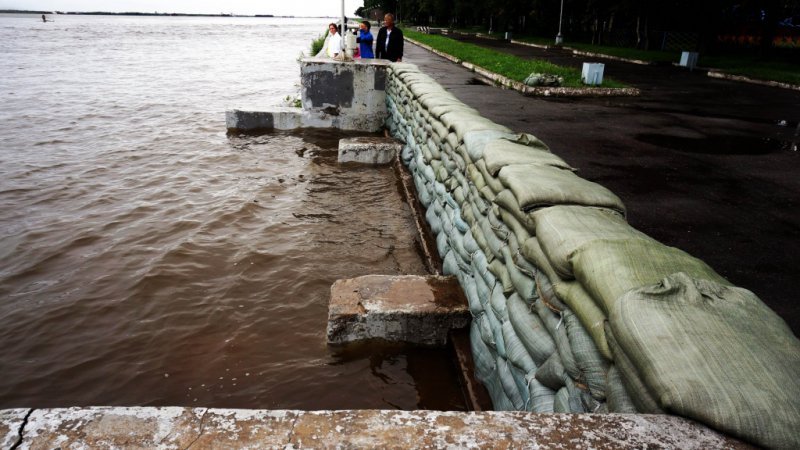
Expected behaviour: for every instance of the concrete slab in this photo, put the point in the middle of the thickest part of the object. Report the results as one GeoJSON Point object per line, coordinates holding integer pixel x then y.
{"type": "Point", "coordinates": [368, 150]}
{"type": "Point", "coordinates": [408, 308]}
{"type": "Point", "coordinates": [201, 428]}
{"type": "Point", "coordinates": [11, 421]}
{"type": "Point", "coordinates": [277, 118]}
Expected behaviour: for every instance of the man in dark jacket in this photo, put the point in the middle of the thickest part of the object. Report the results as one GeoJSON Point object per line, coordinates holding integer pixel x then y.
{"type": "Point", "coordinates": [389, 44]}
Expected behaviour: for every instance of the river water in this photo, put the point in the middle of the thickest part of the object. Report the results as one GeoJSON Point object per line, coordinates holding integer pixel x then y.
{"type": "Point", "coordinates": [147, 258]}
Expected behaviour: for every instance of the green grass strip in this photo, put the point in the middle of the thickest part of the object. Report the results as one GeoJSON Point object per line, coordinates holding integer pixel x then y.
{"type": "Point", "coordinates": [752, 67]}
{"type": "Point", "coordinates": [745, 65]}
{"type": "Point", "coordinates": [504, 64]}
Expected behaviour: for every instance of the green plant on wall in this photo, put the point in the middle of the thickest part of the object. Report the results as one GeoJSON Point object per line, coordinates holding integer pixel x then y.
{"type": "Point", "coordinates": [318, 43]}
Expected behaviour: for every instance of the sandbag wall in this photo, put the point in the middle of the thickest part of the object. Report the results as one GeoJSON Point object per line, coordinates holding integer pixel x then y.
{"type": "Point", "coordinates": [545, 259]}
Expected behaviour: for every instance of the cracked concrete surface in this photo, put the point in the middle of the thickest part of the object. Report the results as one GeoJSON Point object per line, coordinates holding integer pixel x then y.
{"type": "Point", "coordinates": [11, 425]}
{"type": "Point", "coordinates": [202, 428]}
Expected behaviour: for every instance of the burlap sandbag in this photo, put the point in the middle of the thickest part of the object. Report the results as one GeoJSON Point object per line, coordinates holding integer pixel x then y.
{"type": "Point", "coordinates": [506, 200]}
{"type": "Point", "coordinates": [608, 269]}
{"type": "Point", "coordinates": [537, 186]}
{"type": "Point", "coordinates": [716, 354]}
{"type": "Point", "coordinates": [502, 152]}
{"type": "Point", "coordinates": [561, 230]}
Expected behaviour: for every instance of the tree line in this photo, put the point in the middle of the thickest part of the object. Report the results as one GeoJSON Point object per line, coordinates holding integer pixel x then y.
{"type": "Point", "coordinates": [634, 23]}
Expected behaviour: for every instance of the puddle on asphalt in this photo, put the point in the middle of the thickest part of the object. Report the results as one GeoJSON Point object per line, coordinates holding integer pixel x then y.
{"type": "Point", "coordinates": [474, 81]}
{"type": "Point", "coordinates": [720, 144]}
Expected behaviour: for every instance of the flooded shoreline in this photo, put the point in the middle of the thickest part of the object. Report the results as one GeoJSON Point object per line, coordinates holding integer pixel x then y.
{"type": "Point", "coordinates": [150, 259]}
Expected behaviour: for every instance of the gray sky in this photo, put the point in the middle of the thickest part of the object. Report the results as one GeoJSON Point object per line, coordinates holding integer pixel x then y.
{"type": "Point", "coordinates": [276, 7]}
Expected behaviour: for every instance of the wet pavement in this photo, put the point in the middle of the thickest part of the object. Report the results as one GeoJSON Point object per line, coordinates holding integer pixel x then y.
{"type": "Point", "coordinates": [702, 164]}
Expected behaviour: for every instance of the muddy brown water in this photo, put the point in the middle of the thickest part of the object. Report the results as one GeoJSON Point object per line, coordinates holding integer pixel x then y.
{"type": "Point", "coordinates": [222, 305]}
{"type": "Point", "coordinates": [148, 258]}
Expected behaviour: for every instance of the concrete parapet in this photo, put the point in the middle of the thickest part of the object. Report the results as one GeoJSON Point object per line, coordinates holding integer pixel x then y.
{"type": "Point", "coordinates": [335, 94]}
{"type": "Point", "coordinates": [368, 150]}
{"type": "Point", "coordinates": [354, 91]}
{"type": "Point", "coordinates": [203, 428]}
{"type": "Point", "coordinates": [406, 308]}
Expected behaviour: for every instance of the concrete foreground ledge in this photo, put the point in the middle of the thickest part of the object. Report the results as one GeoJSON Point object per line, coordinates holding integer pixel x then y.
{"type": "Point", "coordinates": [406, 308]}
{"type": "Point", "coordinates": [204, 428]}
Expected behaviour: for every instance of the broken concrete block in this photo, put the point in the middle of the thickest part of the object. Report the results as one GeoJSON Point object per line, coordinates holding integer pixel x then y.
{"type": "Point", "coordinates": [368, 150]}
{"type": "Point", "coordinates": [408, 308]}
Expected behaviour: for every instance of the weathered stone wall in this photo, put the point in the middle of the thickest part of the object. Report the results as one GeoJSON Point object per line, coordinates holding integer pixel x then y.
{"type": "Point", "coordinates": [546, 258]}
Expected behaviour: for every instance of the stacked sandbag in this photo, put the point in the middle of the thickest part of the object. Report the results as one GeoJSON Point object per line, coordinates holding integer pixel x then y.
{"type": "Point", "coordinates": [545, 258]}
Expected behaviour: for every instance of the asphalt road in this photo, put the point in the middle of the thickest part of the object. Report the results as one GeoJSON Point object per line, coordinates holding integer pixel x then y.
{"type": "Point", "coordinates": [705, 165]}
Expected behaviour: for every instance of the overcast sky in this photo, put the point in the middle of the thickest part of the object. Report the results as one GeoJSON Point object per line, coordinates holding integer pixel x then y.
{"type": "Point", "coordinates": [249, 7]}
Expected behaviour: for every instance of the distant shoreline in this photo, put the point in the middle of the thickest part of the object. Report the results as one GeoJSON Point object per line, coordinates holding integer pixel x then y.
{"type": "Point", "coordinates": [154, 14]}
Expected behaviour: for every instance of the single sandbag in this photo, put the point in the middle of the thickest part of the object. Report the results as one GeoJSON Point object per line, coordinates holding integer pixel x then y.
{"type": "Point", "coordinates": [506, 200]}
{"type": "Point", "coordinates": [530, 330]}
{"type": "Point", "coordinates": [590, 315]}
{"type": "Point", "coordinates": [552, 373]}
{"type": "Point", "coordinates": [561, 230]}
{"type": "Point", "coordinates": [716, 354]}
{"type": "Point", "coordinates": [617, 397]}
{"type": "Point", "coordinates": [501, 152]}
{"type": "Point", "coordinates": [608, 269]}
{"type": "Point", "coordinates": [592, 365]}
{"type": "Point", "coordinates": [542, 186]}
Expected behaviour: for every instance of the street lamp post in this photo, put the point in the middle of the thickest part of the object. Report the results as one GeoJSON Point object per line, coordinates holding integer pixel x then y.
{"type": "Point", "coordinates": [344, 25]}
{"type": "Point", "coordinates": [559, 37]}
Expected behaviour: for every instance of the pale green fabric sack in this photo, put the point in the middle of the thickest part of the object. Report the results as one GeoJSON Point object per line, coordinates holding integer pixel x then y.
{"type": "Point", "coordinates": [561, 230]}
{"type": "Point", "coordinates": [587, 311]}
{"type": "Point", "coordinates": [491, 181]}
{"type": "Point", "coordinates": [530, 330]}
{"type": "Point", "coordinates": [500, 153]}
{"type": "Point", "coordinates": [506, 200]}
{"type": "Point", "coordinates": [639, 393]}
{"type": "Point", "coordinates": [617, 397]}
{"type": "Point", "coordinates": [592, 365]}
{"type": "Point", "coordinates": [716, 354]}
{"type": "Point", "coordinates": [540, 186]}
{"type": "Point", "coordinates": [608, 269]}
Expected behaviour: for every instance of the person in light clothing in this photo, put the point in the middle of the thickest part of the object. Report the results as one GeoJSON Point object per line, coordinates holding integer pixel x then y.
{"type": "Point", "coordinates": [333, 43]}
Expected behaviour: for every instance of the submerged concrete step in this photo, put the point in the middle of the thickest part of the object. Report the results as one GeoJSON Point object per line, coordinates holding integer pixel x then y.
{"type": "Point", "coordinates": [368, 150]}
{"type": "Point", "coordinates": [203, 428]}
{"type": "Point", "coordinates": [407, 308]}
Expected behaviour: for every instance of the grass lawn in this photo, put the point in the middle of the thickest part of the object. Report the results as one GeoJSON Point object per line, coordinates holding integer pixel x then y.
{"type": "Point", "coordinates": [745, 65]}
{"type": "Point", "coordinates": [752, 67]}
{"type": "Point", "coordinates": [502, 63]}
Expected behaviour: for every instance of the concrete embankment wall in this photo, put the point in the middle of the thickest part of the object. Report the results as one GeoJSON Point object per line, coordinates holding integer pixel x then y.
{"type": "Point", "coordinates": [575, 311]}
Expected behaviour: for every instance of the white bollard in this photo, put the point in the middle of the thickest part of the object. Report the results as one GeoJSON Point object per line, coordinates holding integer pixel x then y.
{"type": "Point", "coordinates": [689, 59]}
{"type": "Point", "coordinates": [592, 73]}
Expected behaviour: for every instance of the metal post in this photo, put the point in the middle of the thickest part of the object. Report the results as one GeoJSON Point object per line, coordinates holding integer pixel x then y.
{"type": "Point", "coordinates": [344, 29]}
{"type": "Point", "coordinates": [559, 37]}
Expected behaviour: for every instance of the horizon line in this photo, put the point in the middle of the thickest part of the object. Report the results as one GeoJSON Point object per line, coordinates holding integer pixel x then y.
{"type": "Point", "coordinates": [156, 13]}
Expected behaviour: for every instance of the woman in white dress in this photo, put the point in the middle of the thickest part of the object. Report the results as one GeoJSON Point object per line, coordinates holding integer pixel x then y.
{"type": "Point", "coordinates": [333, 43]}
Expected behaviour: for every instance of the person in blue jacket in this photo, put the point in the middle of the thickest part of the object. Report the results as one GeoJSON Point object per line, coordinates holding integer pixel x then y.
{"type": "Point", "coordinates": [365, 40]}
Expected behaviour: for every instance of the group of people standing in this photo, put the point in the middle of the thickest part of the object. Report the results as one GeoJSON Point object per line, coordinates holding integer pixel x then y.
{"type": "Point", "coordinates": [388, 45]}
